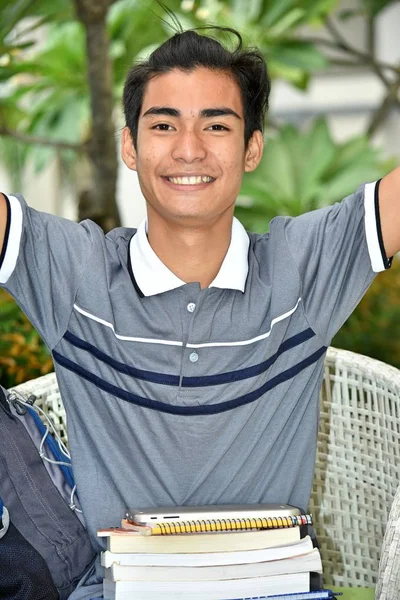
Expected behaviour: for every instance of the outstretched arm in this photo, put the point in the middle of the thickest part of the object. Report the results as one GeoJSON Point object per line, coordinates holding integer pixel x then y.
{"type": "Point", "coordinates": [3, 220]}
{"type": "Point", "coordinates": [389, 209]}
{"type": "Point", "coordinates": [42, 262]}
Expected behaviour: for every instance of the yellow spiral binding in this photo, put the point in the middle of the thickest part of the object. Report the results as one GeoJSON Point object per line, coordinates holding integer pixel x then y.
{"type": "Point", "coordinates": [205, 526]}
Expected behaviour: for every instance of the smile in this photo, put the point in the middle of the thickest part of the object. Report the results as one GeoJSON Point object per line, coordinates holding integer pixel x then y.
{"type": "Point", "coordinates": [192, 180]}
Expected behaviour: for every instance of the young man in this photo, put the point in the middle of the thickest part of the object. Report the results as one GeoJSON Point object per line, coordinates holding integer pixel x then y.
{"type": "Point", "coordinates": [189, 353]}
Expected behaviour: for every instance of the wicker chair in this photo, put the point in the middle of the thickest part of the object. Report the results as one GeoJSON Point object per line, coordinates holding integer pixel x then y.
{"type": "Point", "coordinates": [357, 469]}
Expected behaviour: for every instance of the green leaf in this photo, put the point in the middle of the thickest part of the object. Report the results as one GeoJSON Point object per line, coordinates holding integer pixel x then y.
{"type": "Point", "coordinates": [288, 21]}
{"type": "Point", "coordinates": [317, 10]}
{"type": "Point", "coordinates": [299, 55]}
{"type": "Point", "coordinates": [247, 11]}
{"type": "Point", "coordinates": [275, 10]}
{"type": "Point", "coordinates": [40, 12]}
{"type": "Point", "coordinates": [304, 170]}
{"type": "Point", "coordinates": [374, 7]}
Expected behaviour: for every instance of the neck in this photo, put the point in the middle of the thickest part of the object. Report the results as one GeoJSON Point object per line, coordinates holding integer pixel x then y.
{"type": "Point", "coordinates": [193, 253]}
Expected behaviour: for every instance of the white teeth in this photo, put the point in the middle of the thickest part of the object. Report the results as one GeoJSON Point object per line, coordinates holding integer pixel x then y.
{"type": "Point", "coordinates": [193, 180]}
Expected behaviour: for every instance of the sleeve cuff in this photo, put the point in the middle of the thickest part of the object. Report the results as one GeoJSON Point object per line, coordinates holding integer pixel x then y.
{"type": "Point", "coordinates": [373, 231]}
{"type": "Point", "coordinates": [12, 239]}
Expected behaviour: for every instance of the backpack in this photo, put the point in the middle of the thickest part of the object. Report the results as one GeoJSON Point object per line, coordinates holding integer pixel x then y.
{"type": "Point", "coordinates": [44, 546]}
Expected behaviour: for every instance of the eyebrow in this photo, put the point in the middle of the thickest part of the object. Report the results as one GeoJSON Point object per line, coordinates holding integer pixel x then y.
{"type": "Point", "coordinates": [205, 113]}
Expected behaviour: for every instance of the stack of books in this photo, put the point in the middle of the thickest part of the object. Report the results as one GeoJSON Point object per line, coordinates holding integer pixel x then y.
{"type": "Point", "coordinates": [211, 559]}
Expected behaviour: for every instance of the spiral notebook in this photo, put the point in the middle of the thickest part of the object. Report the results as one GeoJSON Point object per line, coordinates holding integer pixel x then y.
{"type": "Point", "coordinates": [203, 519]}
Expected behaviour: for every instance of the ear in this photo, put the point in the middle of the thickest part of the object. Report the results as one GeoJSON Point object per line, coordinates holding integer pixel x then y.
{"type": "Point", "coordinates": [128, 151]}
{"type": "Point", "coordinates": [254, 151]}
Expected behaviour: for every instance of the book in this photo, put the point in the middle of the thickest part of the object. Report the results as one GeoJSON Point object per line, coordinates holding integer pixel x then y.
{"type": "Point", "coordinates": [209, 525]}
{"type": "Point", "coordinates": [316, 595]}
{"type": "Point", "coordinates": [295, 564]}
{"type": "Point", "coordinates": [205, 590]}
{"type": "Point", "coordinates": [123, 540]}
{"type": "Point", "coordinates": [204, 559]}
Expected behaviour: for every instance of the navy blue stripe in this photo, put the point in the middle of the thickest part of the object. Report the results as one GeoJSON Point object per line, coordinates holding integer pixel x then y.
{"type": "Point", "coordinates": [386, 261]}
{"type": "Point", "coordinates": [121, 367]}
{"type": "Point", "coordinates": [208, 409]}
{"type": "Point", "coordinates": [130, 270]}
{"type": "Point", "coordinates": [248, 371]}
{"type": "Point", "coordinates": [190, 382]}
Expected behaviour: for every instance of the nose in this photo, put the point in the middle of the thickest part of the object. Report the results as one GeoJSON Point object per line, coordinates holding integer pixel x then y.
{"type": "Point", "coordinates": [189, 147]}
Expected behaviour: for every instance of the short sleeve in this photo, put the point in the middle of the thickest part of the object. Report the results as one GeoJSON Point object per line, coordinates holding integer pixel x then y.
{"type": "Point", "coordinates": [41, 265]}
{"type": "Point", "coordinates": [337, 251]}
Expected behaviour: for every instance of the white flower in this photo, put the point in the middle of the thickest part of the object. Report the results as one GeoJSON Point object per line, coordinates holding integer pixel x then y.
{"type": "Point", "coordinates": [4, 60]}
{"type": "Point", "coordinates": [187, 5]}
{"type": "Point", "coordinates": [202, 13]}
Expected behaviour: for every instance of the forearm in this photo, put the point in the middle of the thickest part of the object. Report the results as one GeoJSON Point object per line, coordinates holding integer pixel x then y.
{"type": "Point", "coordinates": [3, 220]}
{"type": "Point", "coordinates": [389, 209]}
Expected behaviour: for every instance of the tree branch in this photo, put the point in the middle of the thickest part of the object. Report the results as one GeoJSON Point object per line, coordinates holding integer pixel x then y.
{"type": "Point", "coordinates": [340, 43]}
{"type": "Point", "coordinates": [342, 62]}
{"type": "Point", "coordinates": [371, 36]}
{"type": "Point", "coordinates": [387, 104]}
{"type": "Point", "coordinates": [340, 39]}
{"type": "Point", "coordinates": [363, 59]}
{"type": "Point", "coordinates": [41, 141]}
{"type": "Point", "coordinates": [369, 58]}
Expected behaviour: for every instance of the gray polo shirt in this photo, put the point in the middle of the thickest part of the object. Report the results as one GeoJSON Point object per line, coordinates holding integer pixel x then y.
{"type": "Point", "coordinates": [176, 395]}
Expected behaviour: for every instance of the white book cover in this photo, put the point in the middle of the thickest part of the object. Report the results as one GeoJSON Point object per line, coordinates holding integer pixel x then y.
{"type": "Point", "coordinates": [204, 559]}
{"type": "Point", "coordinates": [206, 590]}
{"type": "Point", "coordinates": [124, 540]}
{"type": "Point", "coordinates": [296, 564]}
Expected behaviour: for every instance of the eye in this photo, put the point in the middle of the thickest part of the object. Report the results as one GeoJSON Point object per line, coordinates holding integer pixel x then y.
{"type": "Point", "coordinates": [162, 127]}
{"type": "Point", "coordinates": [217, 127]}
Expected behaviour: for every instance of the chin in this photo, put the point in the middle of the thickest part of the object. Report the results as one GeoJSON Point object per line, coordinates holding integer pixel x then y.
{"type": "Point", "coordinates": [190, 219]}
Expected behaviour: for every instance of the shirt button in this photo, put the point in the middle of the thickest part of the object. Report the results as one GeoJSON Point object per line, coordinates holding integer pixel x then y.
{"type": "Point", "coordinates": [194, 357]}
{"type": "Point", "coordinates": [191, 306]}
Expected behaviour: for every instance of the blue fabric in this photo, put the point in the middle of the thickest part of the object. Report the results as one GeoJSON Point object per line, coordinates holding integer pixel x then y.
{"type": "Point", "coordinates": [55, 450]}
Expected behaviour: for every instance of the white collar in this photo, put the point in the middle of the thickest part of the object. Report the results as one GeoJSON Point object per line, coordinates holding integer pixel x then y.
{"type": "Point", "coordinates": [153, 277]}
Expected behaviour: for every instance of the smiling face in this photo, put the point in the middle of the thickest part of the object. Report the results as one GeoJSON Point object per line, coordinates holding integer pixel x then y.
{"type": "Point", "coordinates": [190, 154]}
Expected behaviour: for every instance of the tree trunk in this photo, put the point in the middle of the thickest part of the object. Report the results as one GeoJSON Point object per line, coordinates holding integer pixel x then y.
{"type": "Point", "coordinates": [100, 201]}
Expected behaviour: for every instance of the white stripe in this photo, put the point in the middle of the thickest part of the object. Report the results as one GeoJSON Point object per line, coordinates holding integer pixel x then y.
{"type": "Point", "coordinates": [125, 338]}
{"type": "Point", "coordinates": [14, 239]}
{"type": "Point", "coordinates": [252, 340]}
{"type": "Point", "coordinates": [173, 343]}
{"type": "Point", "coordinates": [371, 229]}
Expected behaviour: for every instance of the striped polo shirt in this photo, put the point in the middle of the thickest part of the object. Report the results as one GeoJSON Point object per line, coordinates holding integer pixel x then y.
{"type": "Point", "coordinates": [177, 395]}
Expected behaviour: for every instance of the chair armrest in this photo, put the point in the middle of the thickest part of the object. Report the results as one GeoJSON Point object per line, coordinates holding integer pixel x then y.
{"type": "Point", "coordinates": [388, 584]}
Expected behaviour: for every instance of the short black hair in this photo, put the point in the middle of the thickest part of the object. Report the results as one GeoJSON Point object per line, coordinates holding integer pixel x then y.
{"type": "Point", "coordinates": [187, 51]}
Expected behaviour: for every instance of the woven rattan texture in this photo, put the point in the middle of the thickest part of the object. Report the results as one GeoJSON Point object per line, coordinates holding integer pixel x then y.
{"type": "Point", "coordinates": [357, 467]}
{"type": "Point", "coordinates": [48, 398]}
{"type": "Point", "coordinates": [388, 585]}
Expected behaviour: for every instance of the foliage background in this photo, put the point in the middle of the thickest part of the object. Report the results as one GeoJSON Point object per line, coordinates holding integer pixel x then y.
{"type": "Point", "coordinates": [46, 112]}
{"type": "Point", "coordinates": [23, 355]}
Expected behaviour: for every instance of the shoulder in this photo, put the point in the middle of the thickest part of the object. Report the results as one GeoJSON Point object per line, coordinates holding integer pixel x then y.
{"type": "Point", "coordinates": [120, 237]}
{"type": "Point", "coordinates": [121, 233]}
